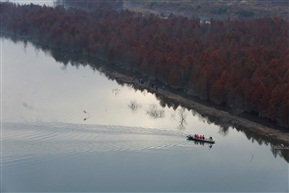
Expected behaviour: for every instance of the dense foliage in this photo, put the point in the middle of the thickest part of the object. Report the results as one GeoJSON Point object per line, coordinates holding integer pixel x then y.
{"type": "Point", "coordinates": [243, 64]}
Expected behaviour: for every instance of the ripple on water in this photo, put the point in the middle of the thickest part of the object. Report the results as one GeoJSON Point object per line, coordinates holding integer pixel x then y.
{"type": "Point", "coordinates": [28, 142]}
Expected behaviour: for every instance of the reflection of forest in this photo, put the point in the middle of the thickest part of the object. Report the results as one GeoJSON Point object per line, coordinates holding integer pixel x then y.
{"type": "Point", "coordinates": [182, 118]}
{"type": "Point", "coordinates": [154, 112]}
{"type": "Point", "coordinates": [111, 72]}
{"type": "Point", "coordinates": [226, 125]}
{"type": "Point", "coordinates": [134, 106]}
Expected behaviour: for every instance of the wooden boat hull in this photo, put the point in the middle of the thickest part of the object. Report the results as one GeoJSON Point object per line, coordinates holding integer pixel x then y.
{"type": "Point", "coordinates": [206, 140]}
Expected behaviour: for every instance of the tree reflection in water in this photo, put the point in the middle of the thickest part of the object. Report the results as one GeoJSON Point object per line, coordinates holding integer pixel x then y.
{"type": "Point", "coordinates": [224, 129]}
{"type": "Point", "coordinates": [134, 106]}
{"type": "Point", "coordinates": [115, 91]}
{"type": "Point", "coordinates": [154, 112]}
{"type": "Point", "coordinates": [182, 115]}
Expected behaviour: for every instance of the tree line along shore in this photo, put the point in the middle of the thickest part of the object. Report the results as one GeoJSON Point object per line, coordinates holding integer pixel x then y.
{"type": "Point", "coordinates": [238, 64]}
{"type": "Point", "coordinates": [212, 114]}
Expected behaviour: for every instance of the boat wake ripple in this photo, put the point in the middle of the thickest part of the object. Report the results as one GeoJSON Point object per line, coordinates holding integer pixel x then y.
{"type": "Point", "coordinates": [25, 142]}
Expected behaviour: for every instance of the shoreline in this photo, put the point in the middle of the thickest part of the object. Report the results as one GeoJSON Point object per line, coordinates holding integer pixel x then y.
{"type": "Point", "coordinates": [281, 137]}
{"type": "Point", "coordinates": [237, 121]}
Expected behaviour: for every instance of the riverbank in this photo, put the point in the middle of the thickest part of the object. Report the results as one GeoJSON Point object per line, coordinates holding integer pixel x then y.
{"type": "Point", "coordinates": [280, 137]}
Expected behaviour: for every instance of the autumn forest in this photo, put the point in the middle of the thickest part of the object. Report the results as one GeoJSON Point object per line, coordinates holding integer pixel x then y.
{"type": "Point", "coordinates": [240, 64]}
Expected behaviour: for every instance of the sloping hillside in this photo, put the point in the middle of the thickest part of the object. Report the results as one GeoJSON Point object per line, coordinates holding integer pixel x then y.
{"type": "Point", "coordinates": [212, 8]}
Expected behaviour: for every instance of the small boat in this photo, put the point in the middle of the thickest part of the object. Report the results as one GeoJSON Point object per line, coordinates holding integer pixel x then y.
{"type": "Point", "coordinates": [205, 140]}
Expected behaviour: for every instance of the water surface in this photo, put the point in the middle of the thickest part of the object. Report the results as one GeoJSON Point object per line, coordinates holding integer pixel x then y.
{"type": "Point", "coordinates": [67, 127]}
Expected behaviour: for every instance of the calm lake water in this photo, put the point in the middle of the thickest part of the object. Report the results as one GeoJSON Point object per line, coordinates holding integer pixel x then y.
{"type": "Point", "coordinates": [67, 127]}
